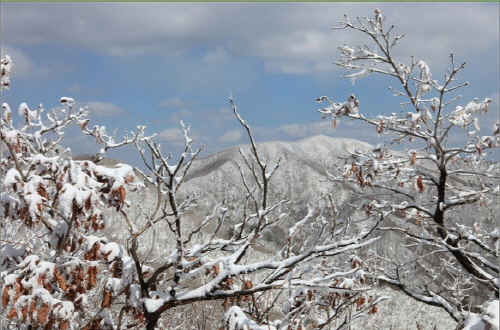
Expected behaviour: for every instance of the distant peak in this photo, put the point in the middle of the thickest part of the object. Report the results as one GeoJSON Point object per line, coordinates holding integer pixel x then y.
{"type": "Point", "coordinates": [330, 139]}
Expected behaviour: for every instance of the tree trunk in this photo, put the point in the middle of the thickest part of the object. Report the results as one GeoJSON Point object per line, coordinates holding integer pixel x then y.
{"type": "Point", "coordinates": [152, 320]}
{"type": "Point", "coordinates": [438, 217]}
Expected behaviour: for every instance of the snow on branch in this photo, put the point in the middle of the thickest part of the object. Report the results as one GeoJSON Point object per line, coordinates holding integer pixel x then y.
{"type": "Point", "coordinates": [439, 184]}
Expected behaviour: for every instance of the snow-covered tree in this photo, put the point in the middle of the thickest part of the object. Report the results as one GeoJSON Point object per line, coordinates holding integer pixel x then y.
{"type": "Point", "coordinates": [59, 269]}
{"type": "Point", "coordinates": [442, 190]}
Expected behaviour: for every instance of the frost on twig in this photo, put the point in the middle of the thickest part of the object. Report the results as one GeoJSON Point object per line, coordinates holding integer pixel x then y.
{"type": "Point", "coordinates": [6, 68]}
{"type": "Point", "coordinates": [442, 189]}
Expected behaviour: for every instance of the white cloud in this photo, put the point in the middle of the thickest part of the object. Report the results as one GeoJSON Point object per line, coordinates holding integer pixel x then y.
{"type": "Point", "coordinates": [218, 117]}
{"type": "Point", "coordinates": [176, 117]}
{"type": "Point", "coordinates": [294, 130]}
{"type": "Point", "coordinates": [74, 89]}
{"type": "Point", "coordinates": [230, 137]}
{"type": "Point", "coordinates": [171, 135]}
{"type": "Point", "coordinates": [345, 128]}
{"type": "Point", "coordinates": [23, 65]}
{"type": "Point", "coordinates": [79, 89]}
{"type": "Point", "coordinates": [288, 37]}
{"type": "Point", "coordinates": [438, 29]}
{"type": "Point", "coordinates": [176, 102]}
{"type": "Point", "coordinates": [226, 111]}
{"type": "Point", "coordinates": [103, 109]}
{"type": "Point", "coordinates": [217, 55]}
{"type": "Point", "coordinates": [310, 129]}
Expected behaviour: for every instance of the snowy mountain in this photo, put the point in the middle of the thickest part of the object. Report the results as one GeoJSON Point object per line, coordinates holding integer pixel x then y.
{"type": "Point", "coordinates": [303, 166]}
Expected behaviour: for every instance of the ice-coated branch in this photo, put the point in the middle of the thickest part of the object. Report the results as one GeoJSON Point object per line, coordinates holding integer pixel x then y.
{"type": "Point", "coordinates": [6, 68]}
{"type": "Point", "coordinates": [433, 184]}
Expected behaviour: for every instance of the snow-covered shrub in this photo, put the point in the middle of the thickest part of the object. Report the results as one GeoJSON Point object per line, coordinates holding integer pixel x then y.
{"type": "Point", "coordinates": [60, 268]}
{"type": "Point", "coordinates": [442, 189]}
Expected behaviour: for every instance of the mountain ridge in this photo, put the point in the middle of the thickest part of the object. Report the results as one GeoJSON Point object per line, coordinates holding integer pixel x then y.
{"type": "Point", "coordinates": [304, 150]}
{"type": "Point", "coordinates": [216, 179]}
{"type": "Point", "coordinates": [304, 163]}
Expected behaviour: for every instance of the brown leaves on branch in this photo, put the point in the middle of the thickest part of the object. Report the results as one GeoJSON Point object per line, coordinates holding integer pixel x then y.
{"type": "Point", "coordinates": [420, 184]}
{"type": "Point", "coordinates": [60, 279]}
{"type": "Point", "coordinates": [91, 277]}
{"type": "Point", "coordinates": [42, 313]}
{"type": "Point", "coordinates": [93, 253]}
{"type": "Point", "coordinates": [106, 300]}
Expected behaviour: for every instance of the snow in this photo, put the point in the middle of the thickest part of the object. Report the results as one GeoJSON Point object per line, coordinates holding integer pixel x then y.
{"type": "Point", "coordinates": [120, 175]}
{"type": "Point", "coordinates": [488, 320]}
{"type": "Point", "coordinates": [64, 310]}
{"type": "Point", "coordinates": [91, 240]}
{"type": "Point", "coordinates": [112, 251]}
{"type": "Point", "coordinates": [67, 100]}
{"type": "Point", "coordinates": [6, 68]}
{"type": "Point", "coordinates": [113, 285]}
{"type": "Point", "coordinates": [34, 200]}
{"type": "Point", "coordinates": [236, 319]}
{"type": "Point", "coordinates": [474, 322]}
{"type": "Point", "coordinates": [425, 69]}
{"type": "Point", "coordinates": [134, 296]}
{"type": "Point", "coordinates": [45, 268]}
{"type": "Point", "coordinates": [9, 279]}
{"type": "Point", "coordinates": [358, 75]}
{"type": "Point", "coordinates": [29, 263]}
{"type": "Point", "coordinates": [9, 251]}
{"type": "Point", "coordinates": [491, 315]}
{"type": "Point", "coordinates": [157, 300]}
{"type": "Point", "coordinates": [42, 159]}
{"type": "Point", "coordinates": [44, 295]}
{"type": "Point", "coordinates": [69, 193]}
{"type": "Point", "coordinates": [152, 305]}
{"type": "Point", "coordinates": [195, 250]}
{"type": "Point", "coordinates": [11, 177]}
{"type": "Point", "coordinates": [128, 266]}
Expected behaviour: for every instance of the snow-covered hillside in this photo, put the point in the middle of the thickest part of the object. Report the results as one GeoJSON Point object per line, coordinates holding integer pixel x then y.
{"type": "Point", "coordinates": [300, 179]}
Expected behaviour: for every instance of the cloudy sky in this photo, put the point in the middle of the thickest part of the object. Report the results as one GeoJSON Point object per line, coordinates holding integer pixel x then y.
{"type": "Point", "coordinates": [153, 64]}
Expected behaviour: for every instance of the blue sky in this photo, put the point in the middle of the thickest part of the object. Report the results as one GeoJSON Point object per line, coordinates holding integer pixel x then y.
{"type": "Point", "coordinates": [153, 64]}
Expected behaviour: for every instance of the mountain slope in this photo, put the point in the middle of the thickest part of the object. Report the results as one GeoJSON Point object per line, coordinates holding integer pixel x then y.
{"type": "Point", "coordinates": [303, 164]}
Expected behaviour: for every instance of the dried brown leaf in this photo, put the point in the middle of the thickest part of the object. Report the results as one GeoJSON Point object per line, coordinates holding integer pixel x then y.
{"type": "Point", "coordinates": [43, 312]}
{"type": "Point", "coordinates": [106, 301]}
{"type": "Point", "coordinates": [93, 253]}
{"type": "Point", "coordinates": [361, 301]}
{"type": "Point", "coordinates": [123, 193]}
{"type": "Point", "coordinates": [32, 306]}
{"type": "Point", "coordinates": [420, 184]}
{"type": "Point", "coordinates": [84, 125]}
{"type": "Point", "coordinates": [60, 279]}
{"type": "Point", "coordinates": [64, 325]}
{"type": "Point", "coordinates": [216, 269]}
{"type": "Point", "coordinates": [12, 314]}
{"type": "Point", "coordinates": [24, 312]}
{"type": "Point", "coordinates": [92, 274]}
{"type": "Point", "coordinates": [5, 297]}
{"type": "Point", "coordinates": [88, 203]}
{"type": "Point", "coordinates": [42, 191]}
